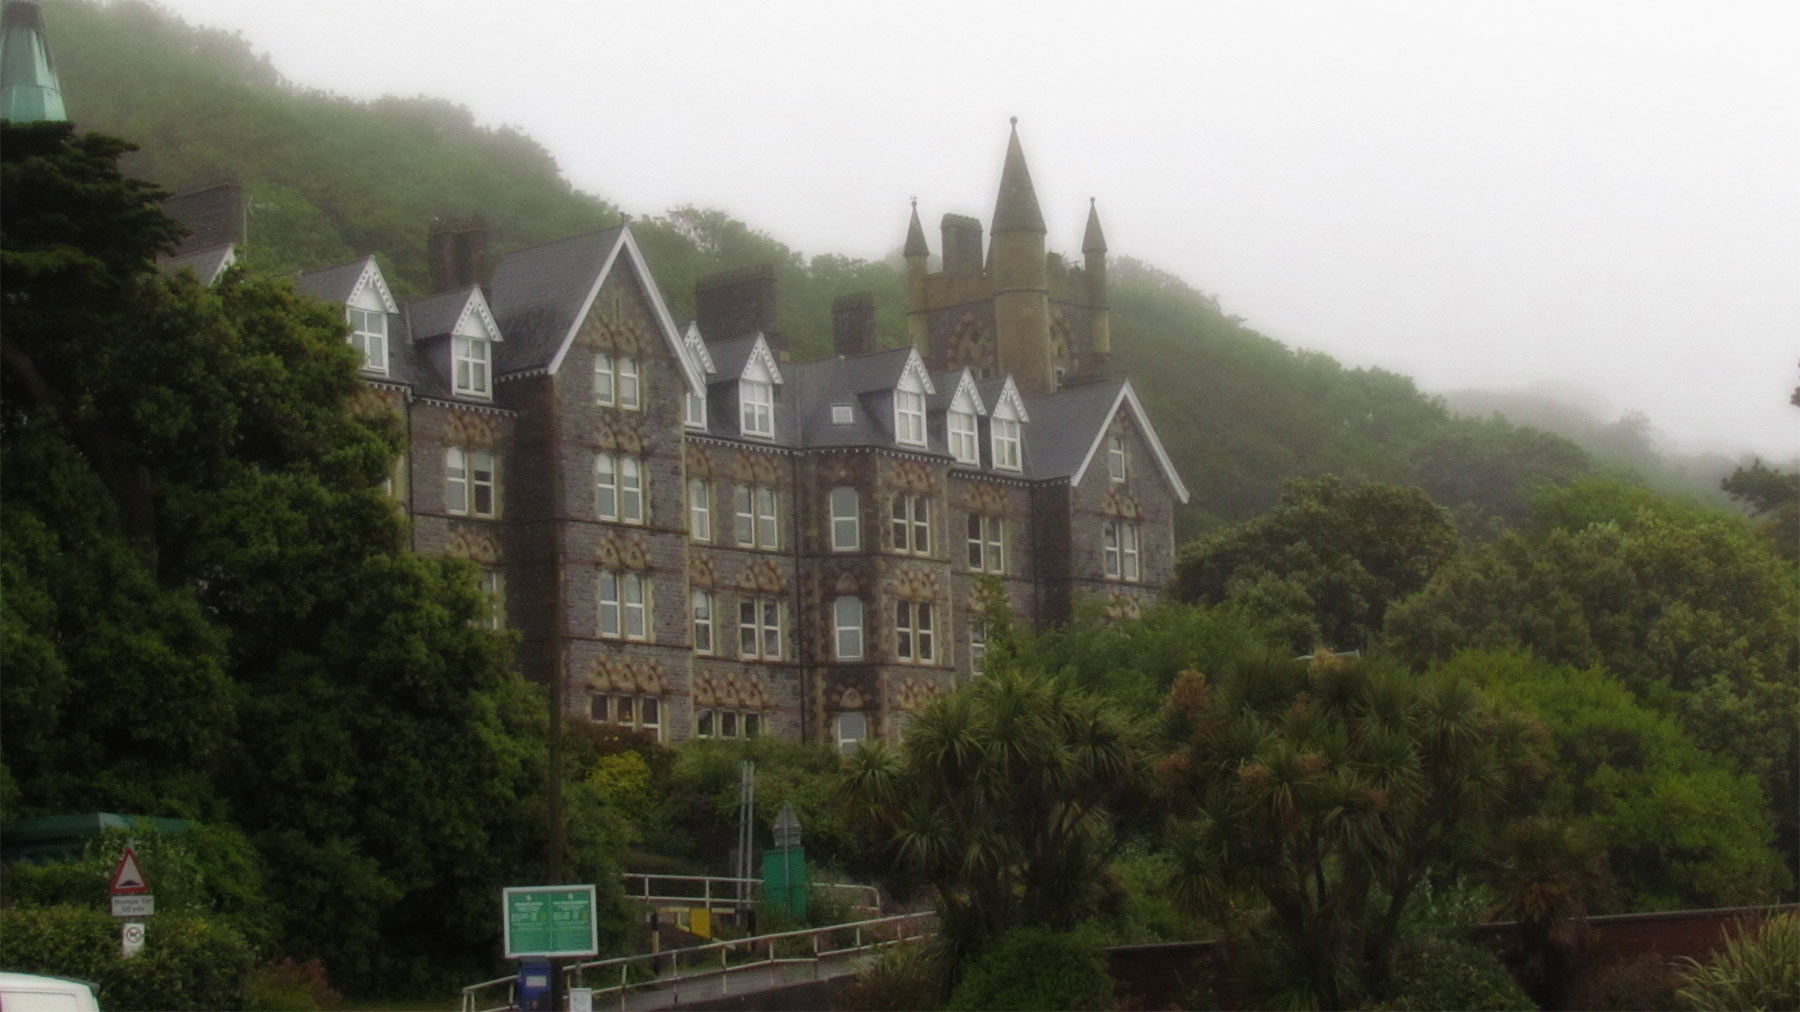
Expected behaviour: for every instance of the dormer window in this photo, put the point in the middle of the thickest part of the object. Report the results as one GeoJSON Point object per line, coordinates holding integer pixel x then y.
{"type": "Point", "coordinates": [1006, 445]}
{"type": "Point", "coordinates": [963, 443]}
{"type": "Point", "coordinates": [756, 402]}
{"type": "Point", "coordinates": [474, 360]}
{"type": "Point", "coordinates": [909, 417]}
{"type": "Point", "coordinates": [369, 335]}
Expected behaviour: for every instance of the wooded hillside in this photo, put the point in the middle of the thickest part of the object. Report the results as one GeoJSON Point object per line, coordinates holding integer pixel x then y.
{"type": "Point", "coordinates": [331, 178]}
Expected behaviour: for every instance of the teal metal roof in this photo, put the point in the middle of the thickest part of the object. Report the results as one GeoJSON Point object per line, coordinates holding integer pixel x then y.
{"type": "Point", "coordinates": [29, 91]}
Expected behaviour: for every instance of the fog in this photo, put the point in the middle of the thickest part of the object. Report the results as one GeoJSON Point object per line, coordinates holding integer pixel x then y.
{"type": "Point", "coordinates": [1599, 197]}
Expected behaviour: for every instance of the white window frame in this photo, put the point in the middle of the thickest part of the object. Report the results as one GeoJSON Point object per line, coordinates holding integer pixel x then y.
{"type": "Point", "coordinates": [1120, 555]}
{"type": "Point", "coordinates": [630, 384]}
{"type": "Point", "coordinates": [965, 444]}
{"type": "Point", "coordinates": [847, 623]}
{"type": "Point", "coordinates": [703, 608]}
{"type": "Point", "coordinates": [851, 728]}
{"type": "Point", "coordinates": [728, 722]}
{"type": "Point", "coordinates": [632, 492]}
{"type": "Point", "coordinates": [842, 414]}
{"type": "Point", "coordinates": [493, 595]}
{"type": "Point", "coordinates": [606, 486]}
{"type": "Point", "coordinates": [909, 417]}
{"type": "Point", "coordinates": [756, 520]}
{"type": "Point", "coordinates": [759, 627]}
{"type": "Point", "coordinates": [369, 335]}
{"type": "Point", "coordinates": [623, 606]}
{"type": "Point", "coordinates": [915, 632]}
{"type": "Point", "coordinates": [768, 518]}
{"type": "Point", "coordinates": [1115, 458]}
{"type": "Point", "coordinates": [1128, 550]}
{"type": "Point", "coordinates": [743, 528]}
{"type": "Point", "coordinates": [978, 645]}
{"type": "Point", "coordinates": [484, 483]}
{"type": "Point", "coordinates": [986, 537]}
{"type": "Point", "coordinates": [456, 481]}
{"type": "Point", "coordinates": [1007, 455]}
{"type": "Point", "coordinates": [846, 519]}
{"type": "Point", "coordinates": [756, 407]}
{"type": "Point", "coordinates": [473, 360]}
{"type": "Point", "coordinates": [694, 410]}
{"type": "Point", "coordinates": [700, 509]}
{"type": "Point", "coordinates": [606, 389]}
{"type": "Point", "coordinates": [610, 711]}
{"type": "Point", "coordinates": [909, 522]}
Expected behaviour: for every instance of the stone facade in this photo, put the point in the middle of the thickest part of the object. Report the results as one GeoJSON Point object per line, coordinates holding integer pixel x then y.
{"type": "Point", "coordinates": [689, 535]}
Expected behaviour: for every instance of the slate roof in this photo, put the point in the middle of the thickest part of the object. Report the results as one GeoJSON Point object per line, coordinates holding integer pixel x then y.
{"type": "Point", "coordinates": [539, 293]}
{"type": "Point", "coordinates": [1065, 424]}
{"type": "Point", "coordinates": [207, 264]}
{"type": "Point", "coordinates": [730, 357]}
{"type": "Point", "coordinates": [332, 284]}
{"type": "Point", "coordinates": [437, 315]}
{"type": "Point", "coordinates": [947, 383]}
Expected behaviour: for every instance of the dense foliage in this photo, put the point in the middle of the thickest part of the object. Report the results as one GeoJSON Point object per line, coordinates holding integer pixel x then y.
{"type": "Point", "coordinates": [209, 610]}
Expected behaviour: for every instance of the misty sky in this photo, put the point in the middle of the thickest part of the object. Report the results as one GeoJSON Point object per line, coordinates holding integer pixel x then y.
{"type": "Point", "coordinates": [1604, 197]}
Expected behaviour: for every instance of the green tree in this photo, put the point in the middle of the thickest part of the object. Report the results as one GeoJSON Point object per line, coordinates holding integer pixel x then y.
{"type": "Point", "coordinates": [1319, 798]}
{"type": "Point", "coordinates": [1774, 498]}
{"type": "Point", "coordinates": [1324, 565]}
{"type": "Point", "coordinates": [1002, 801]}
{"type": "Point", "coordinates": [261, 644]}
{"type": "Point", "coordinates": [1681, 828]}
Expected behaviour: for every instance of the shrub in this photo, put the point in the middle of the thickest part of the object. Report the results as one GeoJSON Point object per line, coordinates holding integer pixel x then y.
{"type": "Point", "coordinates": [1646, 981]}
{"type": "Point", "coordinates": [188, 961]}
{"type": "Point", "coordinates": [1442, 973]}
{"type": "Point", "coordinates": [899, 978]}
{"type": "Point", "coordinates": [1753, 969]}
{"type": "Point", "coordinates": [287, 986]}
{"type": "Point", "coordinates": [1036, 968]}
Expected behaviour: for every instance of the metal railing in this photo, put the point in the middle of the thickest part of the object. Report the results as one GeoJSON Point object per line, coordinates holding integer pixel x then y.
{"type": "Point", "coordinates": [721, 890]}
{"type": "Point", "coordinates": [765, 953]}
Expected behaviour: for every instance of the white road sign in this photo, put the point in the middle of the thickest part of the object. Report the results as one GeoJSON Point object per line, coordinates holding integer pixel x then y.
{"type": "Point", "coordinates": [131, 939]}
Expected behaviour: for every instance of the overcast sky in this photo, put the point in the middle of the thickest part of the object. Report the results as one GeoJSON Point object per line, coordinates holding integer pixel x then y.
{"type": "Point", "coordinates": [1599, 196]}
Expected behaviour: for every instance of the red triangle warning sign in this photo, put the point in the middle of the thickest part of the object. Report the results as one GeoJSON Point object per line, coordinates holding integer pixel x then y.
{"type": "Point", "coordinates": [128, 879]}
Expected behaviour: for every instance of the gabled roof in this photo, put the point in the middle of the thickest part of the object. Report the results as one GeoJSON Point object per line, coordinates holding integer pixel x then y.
{"type": "Point", "coordinates": [344, 282]}
{"type": "Point", "coordinates": [949, 384]}
{"type": "Point", "coordinates": [878, 370]}
{"type": "Point", "coordinates": [207, 264]}
{"type": "Point", "coordinates": [1072, 423]}
{"type": "Point", "coordinates": [1002, 390]}
{"type": "Point", "coordinates": [696, 346]}
{"type": "Point", "coordinates": [731, 359]}
{"type": "Point", "coordinates": [447, 313]}
{"type": "Point", "coordinates": [542, 294]}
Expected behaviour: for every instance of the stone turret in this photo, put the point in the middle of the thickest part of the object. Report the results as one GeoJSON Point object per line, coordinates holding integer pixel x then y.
{"type": "Point", "coordinates": [29, 90]}
{"type": "Point", "coordinates": [1020, 277]}
{"type": "Point", "coordinates": [917, 256]}
{"type": "Point", "coordinates": [1093, 249]}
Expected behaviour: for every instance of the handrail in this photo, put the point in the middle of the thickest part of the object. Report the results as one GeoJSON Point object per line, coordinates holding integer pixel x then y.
{"type": "Point", "coordinates": [750, 886]}
{"type": "Point", "coordinates": [904, 928]}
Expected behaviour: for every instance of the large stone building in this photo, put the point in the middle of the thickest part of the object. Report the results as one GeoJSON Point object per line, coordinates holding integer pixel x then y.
{"type": "Point", "coordinates": [694, 536]}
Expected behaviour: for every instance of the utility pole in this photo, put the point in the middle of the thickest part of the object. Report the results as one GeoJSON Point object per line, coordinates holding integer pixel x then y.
{"type": "Point", "coordinates": [746, 842]}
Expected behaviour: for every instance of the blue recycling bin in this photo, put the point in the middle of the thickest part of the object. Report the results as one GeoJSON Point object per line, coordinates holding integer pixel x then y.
{"type": "Point", "coordinates": [534, 985]}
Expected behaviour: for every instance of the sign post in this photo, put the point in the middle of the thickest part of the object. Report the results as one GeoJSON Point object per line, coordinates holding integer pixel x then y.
{"type": "Point", "coordinates": [549, 921]}
{"type": "Point", "coordinates": [131, 897]}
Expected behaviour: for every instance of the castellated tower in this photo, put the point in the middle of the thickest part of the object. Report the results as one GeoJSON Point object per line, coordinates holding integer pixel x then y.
{"type": "Point", "coordinates": [1023, 311]}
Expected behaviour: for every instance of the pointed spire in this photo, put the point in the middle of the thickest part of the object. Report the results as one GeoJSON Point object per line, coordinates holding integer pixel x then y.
{"type": "Point", "coordinates": [915, 235]}
{"type": "Point", "coordinates": [29, 91]}
{"type": "Point", "coordinates": [1094, 240]}
{"type": "Point", "coordinates": [1016, 210]}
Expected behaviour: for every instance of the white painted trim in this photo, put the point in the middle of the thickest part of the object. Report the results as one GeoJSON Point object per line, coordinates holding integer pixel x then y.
{"type": "Point", "coordinates": [625, 242]}
{"type": "Point", "coordinates": [372, 270]}
{"type": "Point", "coordinates": [477, 305]}
{"type": "Point", "coordinates": [1128, 395]}
{"type": "Point", "coordinates": [696, 345]}
{"type": "Point", "coordinates": [915, 368]}
{"type": "Point", "coordinates": [1009, 395]}
{"type": "Point", "coordinates": [761, 355]}
{"type": "Point", "coordinates": [965, 386]}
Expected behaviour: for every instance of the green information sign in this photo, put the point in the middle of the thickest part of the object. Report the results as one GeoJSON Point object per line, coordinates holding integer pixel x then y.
{"type": "Point", "coordinates": [549, 921]}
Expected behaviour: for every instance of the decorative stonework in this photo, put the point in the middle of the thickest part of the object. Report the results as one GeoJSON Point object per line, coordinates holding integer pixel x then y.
{"type": "Point", "coordinates": [985, 498]}
{"type": "Point", "coordinates": [622, 551]}
{"type": "Point", "coordinates": [913, 694]}
{"type": "Point", "coordinates": [910, 476]}
{"type": "Point", "coordinates": [971, 344]}
{"type": "Point", "coordinates": [848, 698]}
{"type": "Point", "coordinates": [756, 469]}
{"type": "Point", "coordinates": [627, 674]}
{"type": "Point", "coordinates": [699, 462]}
{"type": "Point", "coordinates": [747, 690]}
{"type": "Point", "coordinates": [846, 585]}
{"type": "Point", "coordinates": [467, 428]}
{"type": "Point", "coordinates": [1120, 605]}
{"type": "Point", "coordinates": [913, 584]}
{"type": "Point", "coordinates": [616, 324]}
{"type": "Point", "coordinates": [762, 576]}
{"type": "Point", "coordinates": [373, 402]}
{"type": "Point", "coordinates": [1121, 503]}
{"type": "Point", "coordinates": [474, 546]}
{"type": "Point", "coordinates": [700, 571]}
{"type": "Point", "coordinates": [622, 433]}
